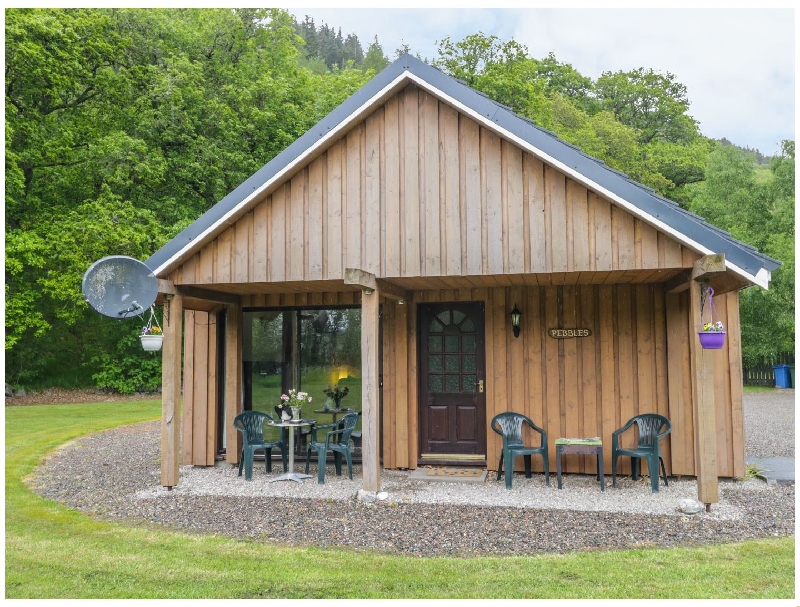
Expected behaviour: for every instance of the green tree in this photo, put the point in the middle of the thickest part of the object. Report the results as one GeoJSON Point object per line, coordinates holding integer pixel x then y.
{"type": "Point", "coordinates": [121, 127]}
{"type": "Point", "coordinates": [760, 213]}
{"type": "Point", "coordinates": [468, 58]}
{"type": "Point", "coordinates": [563, 79]}
{"type": "Point", "coordinates": [375, 59]}
{"type": "Point", "coordinates": [654, 104]}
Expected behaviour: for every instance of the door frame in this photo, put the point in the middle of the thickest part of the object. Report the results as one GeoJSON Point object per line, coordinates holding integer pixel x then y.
{"type": "Point", "coordinates": [427, 459]}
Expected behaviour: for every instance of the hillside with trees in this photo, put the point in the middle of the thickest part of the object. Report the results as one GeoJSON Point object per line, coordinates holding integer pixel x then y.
{"type": "Point", "coordinates": [125, 125]}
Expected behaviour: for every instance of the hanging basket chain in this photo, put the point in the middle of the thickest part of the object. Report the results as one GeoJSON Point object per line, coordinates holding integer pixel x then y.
{"type": "Point", "coordinates": [148, 328]}
{"type": "Point", "coordinates": [707, 302]}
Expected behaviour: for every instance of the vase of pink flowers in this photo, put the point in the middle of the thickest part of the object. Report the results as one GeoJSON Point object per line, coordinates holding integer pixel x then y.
{"type": "Point", "coordinates": [291, 404]}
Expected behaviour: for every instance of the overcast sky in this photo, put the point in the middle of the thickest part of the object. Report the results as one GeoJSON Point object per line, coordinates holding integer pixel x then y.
{"type": "Point", "coordinates": [738, 65]}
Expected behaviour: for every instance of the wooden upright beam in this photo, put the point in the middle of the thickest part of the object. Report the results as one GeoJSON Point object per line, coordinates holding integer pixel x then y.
{"type": "Point", "coordinates": [233, 382]}
{"type": "Point", "coordinates": [370, 443]}
{"type": "Point", "coordinates": [365, 280]}
{"type": "Point", "coordinates": [171, 391]}
{"type": "Point", "coordinates": [708, 266]}
{"type": "Point", "coordinates": [705, 420]}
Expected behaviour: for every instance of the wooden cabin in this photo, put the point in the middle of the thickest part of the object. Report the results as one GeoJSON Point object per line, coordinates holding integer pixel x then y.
{"type": "Point", "coordinates": [420, 213]}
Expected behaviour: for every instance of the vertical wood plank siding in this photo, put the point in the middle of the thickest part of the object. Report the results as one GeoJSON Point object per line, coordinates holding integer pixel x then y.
{"type": "Point", "coordinates": [199, 389]}
{"type": "Point", "coordinates": [417, 189]}
{"type": "Point", "coordinates": [634, 362]}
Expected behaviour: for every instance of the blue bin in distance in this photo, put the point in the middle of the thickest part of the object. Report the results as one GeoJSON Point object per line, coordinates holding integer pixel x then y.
{"type": "Point", "coordinates": [782, 377]}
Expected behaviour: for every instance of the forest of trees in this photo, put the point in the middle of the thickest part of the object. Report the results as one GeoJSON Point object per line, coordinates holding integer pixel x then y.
{"type": "Point", "coordinates": [125, 125]}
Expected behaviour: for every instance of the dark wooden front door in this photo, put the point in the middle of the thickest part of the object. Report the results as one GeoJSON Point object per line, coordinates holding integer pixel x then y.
{"type": "Point", "coordinates": [452, 371]}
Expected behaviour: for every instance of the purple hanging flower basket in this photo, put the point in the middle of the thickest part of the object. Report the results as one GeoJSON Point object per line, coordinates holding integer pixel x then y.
{"type": "Point", "coordinates": [711, 340]}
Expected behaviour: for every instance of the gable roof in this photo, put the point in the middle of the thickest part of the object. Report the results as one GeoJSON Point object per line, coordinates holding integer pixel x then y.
{"type": "Point", "coordinates": [639, 200]}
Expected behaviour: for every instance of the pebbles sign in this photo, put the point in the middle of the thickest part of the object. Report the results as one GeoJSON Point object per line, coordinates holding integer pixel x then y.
{"type": "Point", "coordinates": [567, 333]}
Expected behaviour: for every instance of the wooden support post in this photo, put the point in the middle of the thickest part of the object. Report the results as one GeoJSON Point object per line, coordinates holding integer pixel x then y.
{"type": "Point", "coordinates": [233, 382]}
{"type": "Point", "coordinates": [705, 430]}
{"type": "Point", "coordinates": [370, 444]}
{"type": "Point", "coordinates": [171, 390]}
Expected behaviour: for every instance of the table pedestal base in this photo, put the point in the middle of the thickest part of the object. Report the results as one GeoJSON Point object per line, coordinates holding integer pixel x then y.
{"type": "Point", "coordinates": [291, 476]}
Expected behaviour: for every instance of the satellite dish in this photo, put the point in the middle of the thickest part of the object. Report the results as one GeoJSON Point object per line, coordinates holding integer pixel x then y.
{"type": "Point", "coordinates": [118, 286]}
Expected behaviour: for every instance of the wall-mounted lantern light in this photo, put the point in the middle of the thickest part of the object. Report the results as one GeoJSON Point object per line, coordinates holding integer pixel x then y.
{"type": "Point", "coordinates": [515, 316]}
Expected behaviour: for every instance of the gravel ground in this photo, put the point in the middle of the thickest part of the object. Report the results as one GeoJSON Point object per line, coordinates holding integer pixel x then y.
{"type": "Point", "coordinates": [114, 475]}
{"type": "Point", "coordinates": [769, 424]}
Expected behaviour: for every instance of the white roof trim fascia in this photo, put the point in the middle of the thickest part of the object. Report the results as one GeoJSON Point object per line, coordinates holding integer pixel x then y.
{"type": "Point", "coordinates": [760, 280]}
{"type": "Point", "coordinates": [300, 158]}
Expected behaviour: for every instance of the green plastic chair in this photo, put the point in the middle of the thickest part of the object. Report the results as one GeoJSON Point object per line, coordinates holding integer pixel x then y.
{"type": "Point", "coordinates": [652, 428]}
{"type": "Point", "coordinates": [509, 425]}
{"type": "Point", "coordinates": [251, 425]}
{"type": "Point", "coordinates": [337, 440]}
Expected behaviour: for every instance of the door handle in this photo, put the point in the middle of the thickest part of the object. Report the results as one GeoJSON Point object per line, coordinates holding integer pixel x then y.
{"type": "Point", "coordinates": [480, 385]}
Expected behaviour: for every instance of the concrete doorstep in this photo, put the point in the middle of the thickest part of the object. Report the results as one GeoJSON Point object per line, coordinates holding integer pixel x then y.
{"type": "Point", "coordinates": [449, 475]}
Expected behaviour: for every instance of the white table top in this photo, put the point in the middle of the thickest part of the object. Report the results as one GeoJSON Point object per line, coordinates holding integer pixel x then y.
{"type": "Point", "coordinates": [291, 423]}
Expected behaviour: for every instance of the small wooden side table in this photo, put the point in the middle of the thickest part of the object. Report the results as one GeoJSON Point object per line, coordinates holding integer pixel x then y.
{"type": "Point", "coordinates": [581, 446]}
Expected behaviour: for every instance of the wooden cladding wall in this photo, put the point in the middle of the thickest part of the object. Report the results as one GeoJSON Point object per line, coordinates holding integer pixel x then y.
{"type": "Point", "coordinates": [416, 189]}
{"type": "Point", "coordinates": [635, 361]}
{"type": "Point", "coordinates": [199, 389]}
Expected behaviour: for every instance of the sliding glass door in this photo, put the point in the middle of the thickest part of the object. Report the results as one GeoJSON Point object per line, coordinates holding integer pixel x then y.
{"type": "Point", "coordinates": [312, 350]}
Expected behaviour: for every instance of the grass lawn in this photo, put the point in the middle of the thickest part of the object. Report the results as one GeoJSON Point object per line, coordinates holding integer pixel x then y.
{"type": "Point", "coordinates": [754, 389]}
{"type": "Point", "coordinates": [56, 552]}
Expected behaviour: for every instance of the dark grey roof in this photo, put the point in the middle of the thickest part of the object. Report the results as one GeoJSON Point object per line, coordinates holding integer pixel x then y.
{"type": "Point", "coordinates": [645, 199]}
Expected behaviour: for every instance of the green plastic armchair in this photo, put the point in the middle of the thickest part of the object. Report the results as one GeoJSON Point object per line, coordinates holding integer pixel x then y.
{"type": "Point", "coordinates": [652, 428]}
{"type": "Point", "coordinates": [509, 425]}
{"type": "Point", "coordinates": [251, 425]}
{"type": "Point", "coordinates": [337, 441]}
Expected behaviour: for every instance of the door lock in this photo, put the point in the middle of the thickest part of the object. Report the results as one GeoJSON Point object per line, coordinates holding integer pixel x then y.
{"type": "Point", "coordinates": [480, 385]}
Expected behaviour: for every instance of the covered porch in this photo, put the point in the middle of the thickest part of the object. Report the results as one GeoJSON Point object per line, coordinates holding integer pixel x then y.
{"type": "Point", "coordinates": [640, 355]}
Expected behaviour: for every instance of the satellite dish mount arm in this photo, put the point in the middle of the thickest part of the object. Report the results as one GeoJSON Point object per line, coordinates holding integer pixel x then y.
{"type": "Point", "coordinates": [134, 307]}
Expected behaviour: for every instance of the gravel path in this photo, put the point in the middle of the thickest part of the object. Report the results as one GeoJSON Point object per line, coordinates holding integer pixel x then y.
{"type": "Point", "coordinates": [115, 475]}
